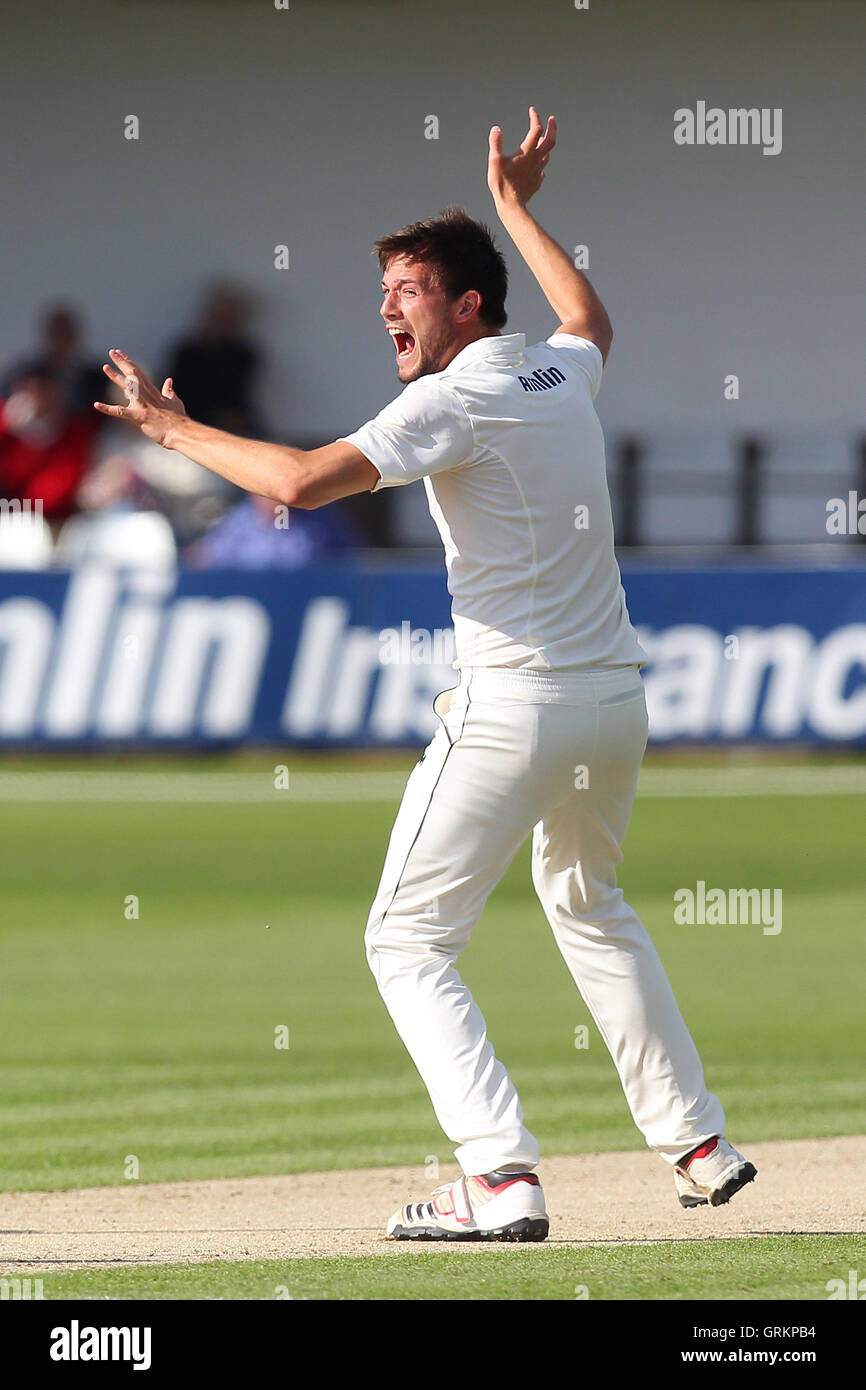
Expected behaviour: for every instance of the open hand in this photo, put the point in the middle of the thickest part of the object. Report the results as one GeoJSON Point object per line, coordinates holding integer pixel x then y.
{"type": "Point", "coordinates": [516, 177]}
{"type": "Point", "coordinates": [150, 410]}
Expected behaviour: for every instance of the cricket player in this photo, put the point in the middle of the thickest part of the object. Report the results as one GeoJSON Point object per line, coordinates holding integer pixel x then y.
{"type": "Point", "coordinates": [546, 729]}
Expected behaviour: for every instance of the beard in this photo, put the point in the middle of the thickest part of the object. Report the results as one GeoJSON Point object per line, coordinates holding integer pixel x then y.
{"type": "Point", "coordinates": [429, 356]}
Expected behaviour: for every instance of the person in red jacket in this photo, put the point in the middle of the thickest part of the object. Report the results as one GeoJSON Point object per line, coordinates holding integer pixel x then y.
{"type": "Point", "coordinates": [45, 447]}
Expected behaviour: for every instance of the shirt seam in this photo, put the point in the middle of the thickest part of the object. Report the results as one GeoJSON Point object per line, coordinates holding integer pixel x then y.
{"type": "Point", "coordinates": [452, 391]}
{"type": "Point", "coordinates": [395, 454]}
{"type": "Point", "coordinates": [550, 343]}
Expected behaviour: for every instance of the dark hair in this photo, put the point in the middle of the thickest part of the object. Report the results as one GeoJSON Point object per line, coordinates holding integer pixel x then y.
{"type": "Point", "coordinates": [463, 254]}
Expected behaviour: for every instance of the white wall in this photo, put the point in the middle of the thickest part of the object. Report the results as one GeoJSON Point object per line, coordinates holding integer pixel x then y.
{"type": "Point", "coordinates": [306, 126]}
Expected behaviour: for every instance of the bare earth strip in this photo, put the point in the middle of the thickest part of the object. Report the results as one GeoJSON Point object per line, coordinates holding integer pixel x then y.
{"type": "Point", "coordinates": [803, 1185]}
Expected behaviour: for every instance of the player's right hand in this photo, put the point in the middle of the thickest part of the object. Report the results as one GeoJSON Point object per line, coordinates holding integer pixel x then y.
{"type": "Point", "coordinates": [152, 411]}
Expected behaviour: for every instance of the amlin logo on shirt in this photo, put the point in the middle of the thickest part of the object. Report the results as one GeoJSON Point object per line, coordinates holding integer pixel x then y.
{"type": "Point", "coordinates": [738, 125]}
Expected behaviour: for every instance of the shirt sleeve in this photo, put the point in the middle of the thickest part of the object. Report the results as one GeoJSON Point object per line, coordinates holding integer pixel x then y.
{"type": "Point", "coordinates": [425, 430]}
{"type": "Point", "coordinates": [583, 354]}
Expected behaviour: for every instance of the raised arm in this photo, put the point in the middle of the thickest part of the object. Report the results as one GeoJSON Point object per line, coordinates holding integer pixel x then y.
{"type": "Point", "coordinates": [304, 478]}
{"type": "Point", "coordinates": [512, 180]}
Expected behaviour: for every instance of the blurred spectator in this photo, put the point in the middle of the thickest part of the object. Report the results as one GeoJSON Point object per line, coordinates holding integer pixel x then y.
{"type": "Point", "coordinates": [260, 534]}
{"type": "Point", "coordinates": [45, 447]}
{"type": "Point", "coordinates": [214, 369]}
{"type": "Point", "coordinates": [80, 379]}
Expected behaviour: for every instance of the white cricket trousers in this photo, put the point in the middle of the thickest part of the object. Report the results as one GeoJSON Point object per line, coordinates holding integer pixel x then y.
{"type": "Point", "coordinates": [556, 753]}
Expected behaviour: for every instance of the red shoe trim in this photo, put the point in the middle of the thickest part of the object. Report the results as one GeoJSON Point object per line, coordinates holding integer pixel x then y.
{"type": "Point", "coordinates": [703, 1151]}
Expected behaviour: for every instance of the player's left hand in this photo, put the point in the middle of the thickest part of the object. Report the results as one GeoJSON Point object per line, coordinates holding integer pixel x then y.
{"type": "Point", "coordinates": [517, 176]}
{"type": "Point", "coordinates": [152, 411]}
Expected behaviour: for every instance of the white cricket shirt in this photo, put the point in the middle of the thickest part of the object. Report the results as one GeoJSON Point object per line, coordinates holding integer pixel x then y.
{"type": "Point", "coordinates": [511, 451]}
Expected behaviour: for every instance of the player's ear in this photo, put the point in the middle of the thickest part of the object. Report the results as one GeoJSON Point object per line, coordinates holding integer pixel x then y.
{"type": "Point", "coordinates": [470, 302]}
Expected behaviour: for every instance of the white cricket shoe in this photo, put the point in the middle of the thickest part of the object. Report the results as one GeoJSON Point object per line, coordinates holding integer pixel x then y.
{"type": "Point", "coordinates": [712, 1173]}
{"type": "Point", "coordinates": [498, 1206]}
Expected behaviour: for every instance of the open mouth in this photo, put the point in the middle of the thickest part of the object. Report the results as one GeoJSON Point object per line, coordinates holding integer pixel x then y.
{"type": "Point", "coordinates": [404, 343]}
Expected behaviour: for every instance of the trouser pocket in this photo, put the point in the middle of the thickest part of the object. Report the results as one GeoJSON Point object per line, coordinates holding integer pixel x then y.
{"type": "Point", "coordinates": [450, 709]}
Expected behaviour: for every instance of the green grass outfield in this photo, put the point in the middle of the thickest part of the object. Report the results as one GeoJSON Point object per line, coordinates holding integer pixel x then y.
{"type": "Point", "coordinates": [155, 1036]}
{"type": "Point", "coordinates": [771, 1267]}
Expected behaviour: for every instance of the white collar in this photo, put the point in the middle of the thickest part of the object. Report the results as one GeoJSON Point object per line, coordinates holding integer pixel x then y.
{"type": "Point", "coordinates": [508, 347]}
